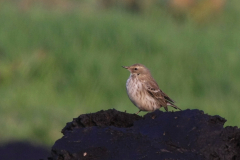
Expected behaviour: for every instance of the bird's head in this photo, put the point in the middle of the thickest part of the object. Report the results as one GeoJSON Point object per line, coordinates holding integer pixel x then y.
{"type": "Point", "coordinates": [137, 69]}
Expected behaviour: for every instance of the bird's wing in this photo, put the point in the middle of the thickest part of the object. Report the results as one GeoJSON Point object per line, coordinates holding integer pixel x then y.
{"type": "Point", "coordinates": [153, 89]}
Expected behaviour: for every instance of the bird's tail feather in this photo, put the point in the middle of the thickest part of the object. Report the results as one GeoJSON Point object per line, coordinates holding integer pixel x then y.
{"type": "Point", "coordinates": [174, 106]}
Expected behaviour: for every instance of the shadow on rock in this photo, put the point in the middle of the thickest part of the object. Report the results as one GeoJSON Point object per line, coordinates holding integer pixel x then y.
{"type": "Point", "coordinates": [23, 151]}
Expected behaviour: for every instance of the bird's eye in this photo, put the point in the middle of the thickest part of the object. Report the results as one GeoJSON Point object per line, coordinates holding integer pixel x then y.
{"type": "Point", "coordinates": [135, 68]}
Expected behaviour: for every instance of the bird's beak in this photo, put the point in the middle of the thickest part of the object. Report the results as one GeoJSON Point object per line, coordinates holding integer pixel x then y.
{"type": "Point", "coordinates": [125, 67]}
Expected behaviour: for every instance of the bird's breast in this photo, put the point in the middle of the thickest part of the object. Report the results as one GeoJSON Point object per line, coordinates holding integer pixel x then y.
{"type": "Point", "coordinates": [135, 90]}
{"type": "Point", "coordinates": [138, 95]}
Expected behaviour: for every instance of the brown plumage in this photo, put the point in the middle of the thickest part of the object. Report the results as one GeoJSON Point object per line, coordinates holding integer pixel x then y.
{"type": "Point", "coordinates": [144, 92]}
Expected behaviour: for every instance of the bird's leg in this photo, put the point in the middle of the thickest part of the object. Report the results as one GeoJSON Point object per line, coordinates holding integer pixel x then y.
{"type": "Point", "coordinates": [138, 111]}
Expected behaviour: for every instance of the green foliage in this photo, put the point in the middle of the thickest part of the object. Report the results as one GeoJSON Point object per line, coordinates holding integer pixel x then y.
{"type": "Point", "coordinates": [56, 65]}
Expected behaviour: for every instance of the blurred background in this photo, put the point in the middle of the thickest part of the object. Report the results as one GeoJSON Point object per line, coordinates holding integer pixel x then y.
{"type": "Point", "coordinates": [62, 58]}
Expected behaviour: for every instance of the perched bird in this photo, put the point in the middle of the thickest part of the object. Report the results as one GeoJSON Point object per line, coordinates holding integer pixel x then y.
{"type": "Point", "coordinates": [143, 90]}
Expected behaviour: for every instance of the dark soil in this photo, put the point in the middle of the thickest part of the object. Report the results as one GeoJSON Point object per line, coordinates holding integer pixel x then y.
{"type": "Point", "coordinates": [181, 135]}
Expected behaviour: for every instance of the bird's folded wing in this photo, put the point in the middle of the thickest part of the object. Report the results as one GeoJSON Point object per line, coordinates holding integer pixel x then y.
{"type": "Point", "coordinates": [157, 93]}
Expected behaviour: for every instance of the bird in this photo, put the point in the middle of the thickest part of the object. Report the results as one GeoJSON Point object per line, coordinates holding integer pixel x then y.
{"type": "Point", "coordinates": [144, 91]}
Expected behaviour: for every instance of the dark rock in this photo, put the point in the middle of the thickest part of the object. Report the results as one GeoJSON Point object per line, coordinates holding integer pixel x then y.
{"type": "Point", "coordinates": [180, 135]}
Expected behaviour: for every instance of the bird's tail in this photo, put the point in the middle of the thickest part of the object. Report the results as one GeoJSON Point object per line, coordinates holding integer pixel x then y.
{"type": "Point", "coordinates": [172, 105]}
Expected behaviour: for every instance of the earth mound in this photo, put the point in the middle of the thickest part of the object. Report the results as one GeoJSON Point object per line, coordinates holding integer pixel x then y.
{"type": "Point", "coordinates": [180, 135]}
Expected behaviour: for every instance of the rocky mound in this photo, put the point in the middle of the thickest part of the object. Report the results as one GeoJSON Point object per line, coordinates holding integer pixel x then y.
{"type": "Point", "coordinates": [181, 135]}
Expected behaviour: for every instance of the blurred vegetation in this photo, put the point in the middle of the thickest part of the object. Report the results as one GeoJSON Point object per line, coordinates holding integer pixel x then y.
{"type": "Point", "coordinates": [60, 59]}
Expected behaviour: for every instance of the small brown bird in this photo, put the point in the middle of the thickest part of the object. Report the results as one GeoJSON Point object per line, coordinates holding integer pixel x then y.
{"type": "Point", "coordinates": [143, 90]}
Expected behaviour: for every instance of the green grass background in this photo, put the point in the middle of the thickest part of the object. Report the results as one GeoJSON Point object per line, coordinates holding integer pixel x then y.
{"type": "Point", "coordinates": [56, 65]}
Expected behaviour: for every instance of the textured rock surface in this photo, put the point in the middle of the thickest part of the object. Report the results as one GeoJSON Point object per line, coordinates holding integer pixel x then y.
{"type": "Point", "coordinates": [111, 134]}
